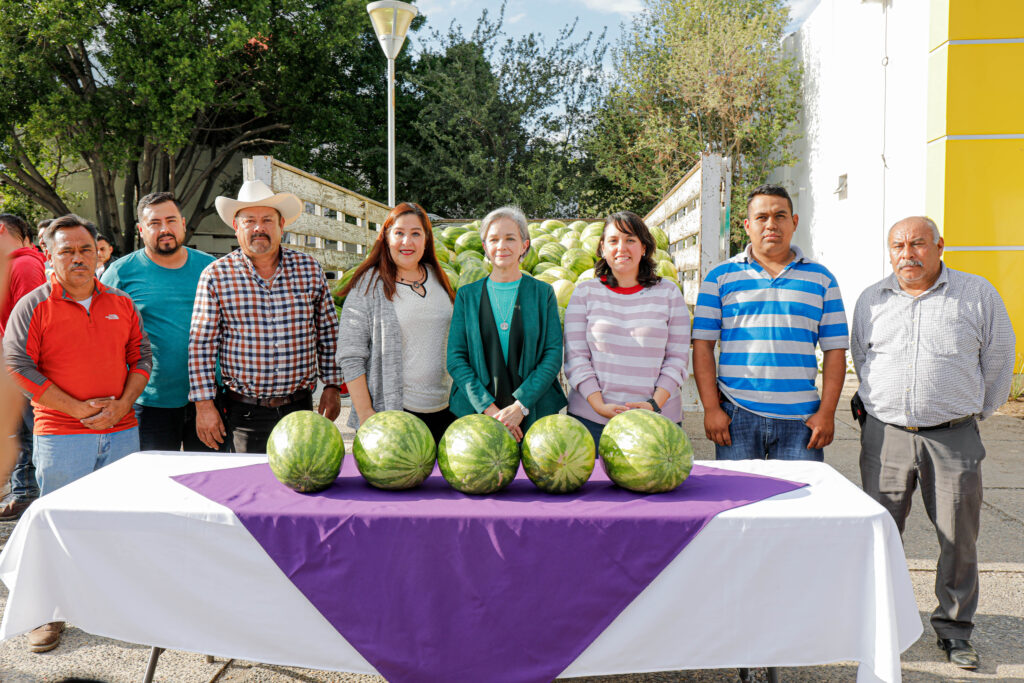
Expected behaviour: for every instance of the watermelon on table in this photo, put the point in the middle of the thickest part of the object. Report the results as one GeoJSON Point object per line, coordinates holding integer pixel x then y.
{"type": "Point", "coordinates": [394, 450]}
{"type": "Point", "coordinates": [646, 452]}
{"type": "Point", "coordinates": [558, 454]}
{"type": "Point", "coordinates": [563, 292]}
{"type": "Point", "coordinates": [477, 454]}
{"type": "Point", "coordinates": [469, 241]}
{"type": "Point", "coordinates": [305, 451]}
{"type": "Point", "coordinates": [660, 238]}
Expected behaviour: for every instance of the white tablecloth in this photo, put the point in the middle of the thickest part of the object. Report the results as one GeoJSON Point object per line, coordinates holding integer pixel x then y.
{"type": "Point", "coordinates": [809, 577]}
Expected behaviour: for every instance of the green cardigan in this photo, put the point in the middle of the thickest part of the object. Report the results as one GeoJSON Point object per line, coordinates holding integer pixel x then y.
{"type": "Point", "coordinates": [540, 352]}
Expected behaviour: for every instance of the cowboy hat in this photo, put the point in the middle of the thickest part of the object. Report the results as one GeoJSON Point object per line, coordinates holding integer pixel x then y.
{"type": "Point", "coordinates": [256, 193]}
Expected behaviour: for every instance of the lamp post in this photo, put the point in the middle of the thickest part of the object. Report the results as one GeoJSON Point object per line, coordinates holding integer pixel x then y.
{"type": "Point", "coordinates": [391, 20]}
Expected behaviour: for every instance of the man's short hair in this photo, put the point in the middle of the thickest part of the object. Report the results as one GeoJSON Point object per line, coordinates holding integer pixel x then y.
{"type": "Point", "coordinates": [772, 190]}
{"type": "Point", "coordinates": [17, 226]}
{"type": "Point", "coordinates": [100, 237]}
{"type": "Point", "coordinates": [155, 198]}
{"type": "Point", "coordinates": [65, 222]}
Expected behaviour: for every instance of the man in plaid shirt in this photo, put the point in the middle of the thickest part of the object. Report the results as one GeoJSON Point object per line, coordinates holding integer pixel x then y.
{"type": "Point", "coordinates": [266, 313]}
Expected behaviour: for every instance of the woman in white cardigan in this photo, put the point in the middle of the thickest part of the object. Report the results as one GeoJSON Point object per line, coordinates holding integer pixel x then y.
{"type": "Point", "coordinates": [394, 325]}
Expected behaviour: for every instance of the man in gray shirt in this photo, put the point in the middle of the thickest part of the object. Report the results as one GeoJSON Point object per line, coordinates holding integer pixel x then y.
{"type": "Point", "coordinates": [934, 349]}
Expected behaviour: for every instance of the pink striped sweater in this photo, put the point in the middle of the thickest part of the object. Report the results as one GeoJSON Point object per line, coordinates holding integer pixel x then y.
{"type": "Point", "coordinates": [625, 346]}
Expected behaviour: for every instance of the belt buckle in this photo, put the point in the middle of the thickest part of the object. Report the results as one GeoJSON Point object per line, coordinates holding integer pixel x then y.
{"type": "Point", "coordinates": [912, 429]}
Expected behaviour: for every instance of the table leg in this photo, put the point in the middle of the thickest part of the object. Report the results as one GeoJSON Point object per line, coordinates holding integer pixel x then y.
{"type": "Point", "coordinates": [154, 655]}
{"type": "Point", "coordinates": [772, 671]}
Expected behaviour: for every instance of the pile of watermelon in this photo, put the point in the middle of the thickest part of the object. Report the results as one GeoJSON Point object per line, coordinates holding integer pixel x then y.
{"type": "Point", "coordinates": [561, 255]}
{"type": "Point", "coordinates": [640, 450]}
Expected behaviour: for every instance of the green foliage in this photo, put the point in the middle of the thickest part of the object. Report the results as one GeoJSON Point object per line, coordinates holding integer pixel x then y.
{"type": "Point", "coordinates": [500, 120]}
{"type": "Point", "coordinates": [695, 75]}
{"type": "Point", "coordinates": [167, 94]}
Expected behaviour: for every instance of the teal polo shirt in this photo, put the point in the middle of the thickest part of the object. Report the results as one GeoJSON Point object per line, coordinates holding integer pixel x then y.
{"type": "Point", "coordinates": [164, 297]}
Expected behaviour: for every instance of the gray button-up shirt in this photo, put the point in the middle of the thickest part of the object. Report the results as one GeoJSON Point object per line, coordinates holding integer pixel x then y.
{"type": "Point", "coordinates": [925, 360]}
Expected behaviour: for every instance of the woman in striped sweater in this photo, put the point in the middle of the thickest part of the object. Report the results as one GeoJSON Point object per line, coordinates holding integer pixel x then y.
{"type": "Point", "coordinates": [627, 332]}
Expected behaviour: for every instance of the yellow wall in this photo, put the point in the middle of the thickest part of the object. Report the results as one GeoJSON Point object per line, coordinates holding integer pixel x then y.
{"type": "Point", "coordinates": [975, 183]}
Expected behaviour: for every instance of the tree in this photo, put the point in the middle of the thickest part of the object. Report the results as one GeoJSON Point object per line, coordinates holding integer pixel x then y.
{"type": "Point", "coordinates": [695, 75]}
{"type": "Point", "coordinates": [166, 94]}
{"type": "Point", "coordinates": [500, 120]}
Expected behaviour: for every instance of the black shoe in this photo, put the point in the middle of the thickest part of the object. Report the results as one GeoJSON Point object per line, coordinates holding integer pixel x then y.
{"type": "Point", "coordinates": [960, 652]}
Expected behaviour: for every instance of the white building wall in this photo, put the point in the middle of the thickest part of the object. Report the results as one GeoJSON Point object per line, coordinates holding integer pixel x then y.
{"type": "Point", "coordinates": [864, 113]}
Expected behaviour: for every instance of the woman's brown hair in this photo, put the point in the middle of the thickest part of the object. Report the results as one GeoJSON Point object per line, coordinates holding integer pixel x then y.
{"type": "Point", "coordinates": [380, 259]}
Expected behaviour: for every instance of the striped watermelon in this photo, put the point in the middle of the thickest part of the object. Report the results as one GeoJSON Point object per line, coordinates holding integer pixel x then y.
{"type": "Point", "coordinates": [477, 454]}
{"type": "Point", "coordinates": [646, 452]}
{"type": "Point", "coordinates": [558, 454]}
{"type": "Point", "coordinates": [394, 450]}
{"type": "Point", "coordinates": [305, 451]}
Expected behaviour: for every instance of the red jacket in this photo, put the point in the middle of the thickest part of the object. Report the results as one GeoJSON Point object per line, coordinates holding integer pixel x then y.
{"type": "Point", "coordinates": [26, 270]}
{"type": "Point", "coordinates": [51, 339]}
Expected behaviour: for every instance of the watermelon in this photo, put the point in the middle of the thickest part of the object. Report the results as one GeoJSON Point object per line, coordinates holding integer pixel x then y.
{"type": "Point", "coordinates": [336, 288]}
{"type": "Point", "coordinates": [576, 226]}
{"type": "Point", "coordinates": [592, 230]}
{"type": "Point", "coordinates": [563, 291]}
{"type": "Point", "coordinates": [550, 224]}
{"type": "Point", "coordinates": [552, 251]}
{"type": "Point", "coordinates": [589, 244]}
{"type": "Point", "coordinates": [646, 452]}
{"type": "Point", "coordinates": [540, 240]}
{"type": "Point", "coordinates": [587, 274]}
{"type": "Point", "coordinates": [468, 256]}
{"type": "Point", "coordinates": [305, 451]}
{"type": "Point", "coordinates": [660, 238]}
{"type": "Point", "coordinates": [542, 266]}
{"type": "Point", "coordinates": [477, 454]}
{"type": "Point", "coordinates": [558, 454]}
{"type": "Point", "coordinates": [530, 259]}
{"type": "Point", "coordinates": [469, 241]}
{"type": "Point", "coordinates": [472, 270]}
{"type": "Point", "coordinates": [450, 234]}
{"type": "Point", "coordinates": [570, 241]}
{"type": "Point", "coordinates": [667, 269]}
{"type": "Point", "coordinates": [394, 450]}
{"type": "Point", "coordinates": [440, 251]}
{"type": "Point", "coordinates": [577, 260]}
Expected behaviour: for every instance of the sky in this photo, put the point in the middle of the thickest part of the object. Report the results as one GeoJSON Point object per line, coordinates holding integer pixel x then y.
{"type": "Point", "coordinates": [547, 17]}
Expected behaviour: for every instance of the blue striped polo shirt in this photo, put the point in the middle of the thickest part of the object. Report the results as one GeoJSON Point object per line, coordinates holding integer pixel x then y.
{"type": "Point", "coordinates": [768, 329]}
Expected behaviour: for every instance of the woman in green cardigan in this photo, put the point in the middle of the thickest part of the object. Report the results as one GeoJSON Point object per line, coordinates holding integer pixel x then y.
{"type": "Point", "coordinates": [505, 340]}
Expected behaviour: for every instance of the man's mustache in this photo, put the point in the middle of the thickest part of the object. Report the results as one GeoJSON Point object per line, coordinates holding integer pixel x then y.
{"type": "Point", "coordinates": [909, 262]}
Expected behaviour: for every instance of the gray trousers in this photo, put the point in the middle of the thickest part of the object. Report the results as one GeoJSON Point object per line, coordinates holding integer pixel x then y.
{"type": "Point", "coordinates": [946, 464]}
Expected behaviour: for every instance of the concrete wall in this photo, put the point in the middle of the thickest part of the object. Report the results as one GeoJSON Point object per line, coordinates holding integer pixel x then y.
{"type": "Point", "coordinates": [864, 117]}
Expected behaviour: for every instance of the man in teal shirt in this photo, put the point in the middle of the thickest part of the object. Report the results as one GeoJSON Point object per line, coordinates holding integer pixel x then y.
{"type": "Point", "coordinates": [161, 279]}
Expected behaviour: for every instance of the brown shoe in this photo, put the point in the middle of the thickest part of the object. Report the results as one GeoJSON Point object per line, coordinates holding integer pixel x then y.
{"type": "Point", "coordinates": [13, 510]}
{"type": "Point", "coordinates": [46, 637]}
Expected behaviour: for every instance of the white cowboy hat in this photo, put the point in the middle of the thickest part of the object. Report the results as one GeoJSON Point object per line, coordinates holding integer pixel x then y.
{"type": "Point", "coordinates": [256, 193]}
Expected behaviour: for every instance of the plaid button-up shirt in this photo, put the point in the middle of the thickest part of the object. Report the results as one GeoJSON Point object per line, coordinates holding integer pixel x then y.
{"type": "Point", "coordinates": [272, 337]}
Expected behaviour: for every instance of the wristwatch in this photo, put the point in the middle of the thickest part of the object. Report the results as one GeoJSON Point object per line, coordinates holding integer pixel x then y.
{"type": "Point", "coordinates": [524, 409]}
{"type": "Point", "coordinates": [654, 405]}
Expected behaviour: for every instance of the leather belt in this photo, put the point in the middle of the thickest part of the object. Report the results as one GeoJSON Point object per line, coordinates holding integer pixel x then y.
{"type": "Point", "coordinates": [944, 425]}
{"type": "Point", "coordinates": [271, 402]}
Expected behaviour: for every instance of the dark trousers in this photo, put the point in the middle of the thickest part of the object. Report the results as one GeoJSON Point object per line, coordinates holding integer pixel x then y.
{"type": "Point", "coordinates": [946, 464]}
{"type": "Point", "coordinates": [169, 429]}
{"type": "Point", "coordinates": [248, 427]}
{"type": "Point", "coordinates": [23, 477]}
{"type": "Point", "coordinates": [437, 422]}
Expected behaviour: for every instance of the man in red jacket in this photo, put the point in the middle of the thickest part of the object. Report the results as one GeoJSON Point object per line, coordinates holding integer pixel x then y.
{"type": "Point", "coordinates": [25, 272]}
{"type": "Point", "coordinates": [77, 348]}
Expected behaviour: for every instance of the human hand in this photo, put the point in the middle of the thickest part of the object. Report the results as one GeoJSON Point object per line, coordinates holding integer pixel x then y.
{"type": "Point", "coordinates": [330, 404]}
{"type": "Point", "coordinates": [639, 405]}
{"type": "Point", "coordinates": [609, 410]}
{"type": "Point", "coordinates": [111, 412]}
{"type": "Point", "coordinates": [716, 426]}
{"type": "Point", "coordinates": [512, 417]}
{"type": "Point", "coordinates": [823, 428]}
{"type": "Point", "coordinates": [209, 426]}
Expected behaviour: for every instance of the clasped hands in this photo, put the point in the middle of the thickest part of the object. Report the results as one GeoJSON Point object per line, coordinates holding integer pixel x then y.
{"type": "Point", "coordinates": [510, 416]}
{"type": "Point", "coordinates": [102, 412]}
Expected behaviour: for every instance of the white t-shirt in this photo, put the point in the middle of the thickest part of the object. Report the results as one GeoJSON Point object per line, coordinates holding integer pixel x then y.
{"type": "Point", "coordinates": [424, 322]}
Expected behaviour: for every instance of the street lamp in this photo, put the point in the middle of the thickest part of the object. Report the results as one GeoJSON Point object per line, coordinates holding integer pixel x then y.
{"type": "Point", "coordinates": [391, 20]}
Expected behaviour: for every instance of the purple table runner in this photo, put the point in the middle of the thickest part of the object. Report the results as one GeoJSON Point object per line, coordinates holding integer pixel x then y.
{"type": "Point", "coordinates": [434, 585]}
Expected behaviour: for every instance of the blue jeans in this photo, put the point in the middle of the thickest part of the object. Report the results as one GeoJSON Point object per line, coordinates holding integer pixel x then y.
{"type": "Point", "coordinates": [63, 458]}
{"type": "Point", "coordinates": [23, 477]}
{"type": "Point", "coordinates": [759, 438]}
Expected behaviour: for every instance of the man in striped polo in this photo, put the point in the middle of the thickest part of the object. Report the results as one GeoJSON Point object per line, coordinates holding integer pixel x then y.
{"type": "Point", "coordinates": [769, 307]}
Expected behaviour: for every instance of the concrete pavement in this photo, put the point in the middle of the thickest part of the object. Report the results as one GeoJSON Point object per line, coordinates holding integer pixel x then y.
{"type": "Point", "coordinates": [999, 634]}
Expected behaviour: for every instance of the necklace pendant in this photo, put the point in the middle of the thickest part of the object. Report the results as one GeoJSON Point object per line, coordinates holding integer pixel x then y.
{"type": "Point", "coordinates": [504, 326]}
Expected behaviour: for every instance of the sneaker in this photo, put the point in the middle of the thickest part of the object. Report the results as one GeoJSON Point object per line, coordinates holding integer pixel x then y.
{"type": "Point", "coordinates": [13, 510]}
{"type": "Point", "coordinates": [45, 637]}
